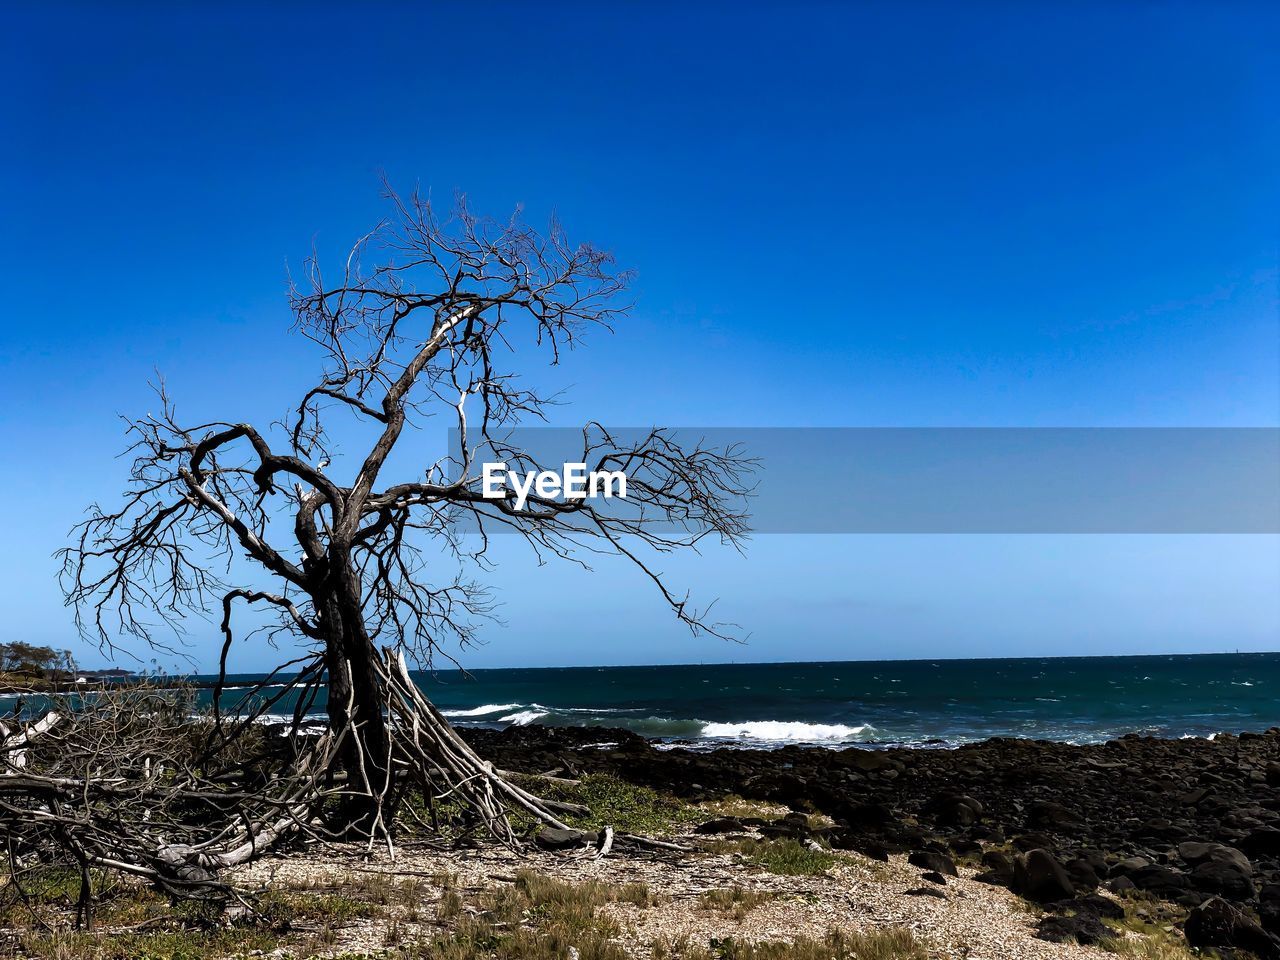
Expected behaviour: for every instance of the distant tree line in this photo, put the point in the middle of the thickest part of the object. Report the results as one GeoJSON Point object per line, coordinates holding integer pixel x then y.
{"type": "Point", "coordinates": [35, 661]}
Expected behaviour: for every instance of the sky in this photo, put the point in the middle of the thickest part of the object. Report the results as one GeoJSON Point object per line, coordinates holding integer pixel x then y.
{"type": "Point", "coordinates": [875, 214]}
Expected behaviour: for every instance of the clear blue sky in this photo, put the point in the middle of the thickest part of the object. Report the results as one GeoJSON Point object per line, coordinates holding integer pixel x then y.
{"type": "Point", "coordinates": [841, 214]}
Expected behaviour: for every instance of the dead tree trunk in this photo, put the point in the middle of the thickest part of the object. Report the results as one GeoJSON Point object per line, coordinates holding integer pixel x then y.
{"type": "Point", "coordinates": [356, 697]}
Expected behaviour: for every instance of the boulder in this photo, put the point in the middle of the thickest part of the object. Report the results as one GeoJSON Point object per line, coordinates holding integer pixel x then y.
{"type": "Point", "coordinates": [999, 870]}
{"type": "Point", "coordinates": [933, 860]}
{"type": "Point", "coordinates": [1224, 878]}
{"type": "Point", "coordinates": [554, 838]}
{"type": "Point", "coordinates": [1194, 852]}
{"type": "Point", "coordinates": [1163, 882]}
{"type": "Point", "coordinates": [1121, 885]}
{"type": "Point", "coordinates": [1084, 928]}
{"type": "Point", "coordinates": [1038, 876]}
{"type": "Point", "coordinates": [1216, 923]}
{"type": "Point", "coordinates": [955, 810]}
{"type": "Point", "coordinates": [1127, 866]}
{"type": "Point", "coordinates": [1082, 874]}
{"type": "Point", "coordinates": [1101, 906]}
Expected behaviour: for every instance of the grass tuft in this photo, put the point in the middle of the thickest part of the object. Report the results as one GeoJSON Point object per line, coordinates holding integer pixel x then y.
{"type": "Point", "coordinates": [789, 858]}
{"type": "Point", "coordinates": [893, 944]}
{"type": "Point", "coordinates": [737, 901]}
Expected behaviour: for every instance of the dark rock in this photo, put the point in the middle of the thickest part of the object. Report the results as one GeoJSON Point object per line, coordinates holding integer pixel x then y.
{"type": "Point", "coordinates": [1165, 883]}
{"type": "Point", "coordinates": [788, 829]}
{"type": "Point", "coordinates": [868, 761]}
{"type": "Point", "coordinates": [933, 860]}
{"type": "Point", "coordinates": [934, 877]}
{"type": "Point", "coordinates": [871, 849]}
{"type": "Point", "coordinates": [870, 814]}
{"type": "Point", "coordinates": [1050, 815]}
{"type": "Point", "coordinates": [721, 825]}
{"type": "Point", "coordinates": [1038, 876]}
{"type": "Point", "coordinates": [1216, 923]}
{"type": "Point", "coordinates": [1033, 841]}
{"type": "Point", "coordinates": [1082, 874]}
{"type": "Point", "coordinates": [993, 879]}
{"type": "Point", "coordinates": [1127, 866]}
{"type": "Point", "coordinates": [1194, 797]}
{"type": "Point", "coordinates": [554, 838]}
{"type": "Point", "coordinates": [999, 870]}
{"type": "Point", "coordinates": [1099, 906]}
{"type": "Point", "coordinates": [1083, 928]}
{"type": "Point", "coordinates": [1195, 853]}
{"type": "Point", "coordinates": [998, 860]}
{"type": "Point", "coordinates": [955, 810]}
{"type": "Point", "coordinates": [1263, 842]}
{"type": "Point", "coordinates": [989, 833]}
{"type": "Point", "coordinates": [926, 892]}
{"type": "Point", "coordinates": [1224, 878]}
{"type": "Point", "coordinates": [1141, 799]}
{"type": "Point", "coordinates": [1121, 885]}
{"type": "Point", "coordinates": [1269, 908]}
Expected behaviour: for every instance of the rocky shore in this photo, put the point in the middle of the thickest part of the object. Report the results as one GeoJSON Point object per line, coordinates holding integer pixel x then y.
{"type": "Point", "coordinates": [1193, 825]}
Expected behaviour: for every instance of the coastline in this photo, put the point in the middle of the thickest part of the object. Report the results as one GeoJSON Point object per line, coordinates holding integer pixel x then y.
{"type": "Point", "coordinates": [1181, 822]}
{"type": "Point", "coordinates": [1006, 849]}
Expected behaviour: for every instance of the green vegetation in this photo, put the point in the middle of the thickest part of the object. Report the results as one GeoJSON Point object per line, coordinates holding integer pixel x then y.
{"type": "Point", "coordinates": [623, 806]}
{"type": "Point", "coordinates": [1148, 917]}
{"type": "Point", "coordinates": [893, 944]}
{"type": "Point", "coordinates": [144, 945]}
{"type": "Point", "coordinates": [738, 901]}
{"type": "Point", "coordinates": [533, 917]}
{"type": "Point", "coordinates": [536, 918]}
{"type": "Point", "coordinates": [133, 921]}
{"type": "Point", "coordinates": [789, 858]}
{"type": "Point", "coordinates": [26, 666]}
{"type": "Point", "coordinates": [611, 801]}
{"type": "Point", "coordinates": [1146, 948]}
{"type": "Point", "coordinates": [735, 806]}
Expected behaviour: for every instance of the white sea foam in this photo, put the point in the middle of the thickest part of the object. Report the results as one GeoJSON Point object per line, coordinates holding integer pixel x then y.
{"type": "Point", "coordinates": [481, 710]}
{"type": "Point", "coordinates": [785, 730]}
{"type": "Point", "coordinates": [523, 717]}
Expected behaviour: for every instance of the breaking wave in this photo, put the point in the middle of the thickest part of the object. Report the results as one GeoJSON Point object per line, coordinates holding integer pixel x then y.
{"type": "Point", "coordinates": [793, 731]}
{"type": "Point", "coordinates": [664, 728]}
{"type": "Point", "coordinates": [481, 710]}
{"type": "Point", "coordinates": [523, 717]}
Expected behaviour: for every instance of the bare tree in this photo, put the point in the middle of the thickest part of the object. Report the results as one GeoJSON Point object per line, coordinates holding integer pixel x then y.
{"type": "Point", "coordinates": [366, 569]}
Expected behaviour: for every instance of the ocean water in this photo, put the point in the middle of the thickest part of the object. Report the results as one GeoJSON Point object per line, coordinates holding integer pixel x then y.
{"type": "Point", "coordinates": [926, 703]}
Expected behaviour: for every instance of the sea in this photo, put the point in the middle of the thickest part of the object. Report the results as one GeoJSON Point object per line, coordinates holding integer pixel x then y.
{"type": "Point", "coordinates": [914, 703]}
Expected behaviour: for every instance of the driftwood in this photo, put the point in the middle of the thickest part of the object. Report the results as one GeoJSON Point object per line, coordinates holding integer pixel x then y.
{"type": "Point", "coordinates": [126, 780]}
